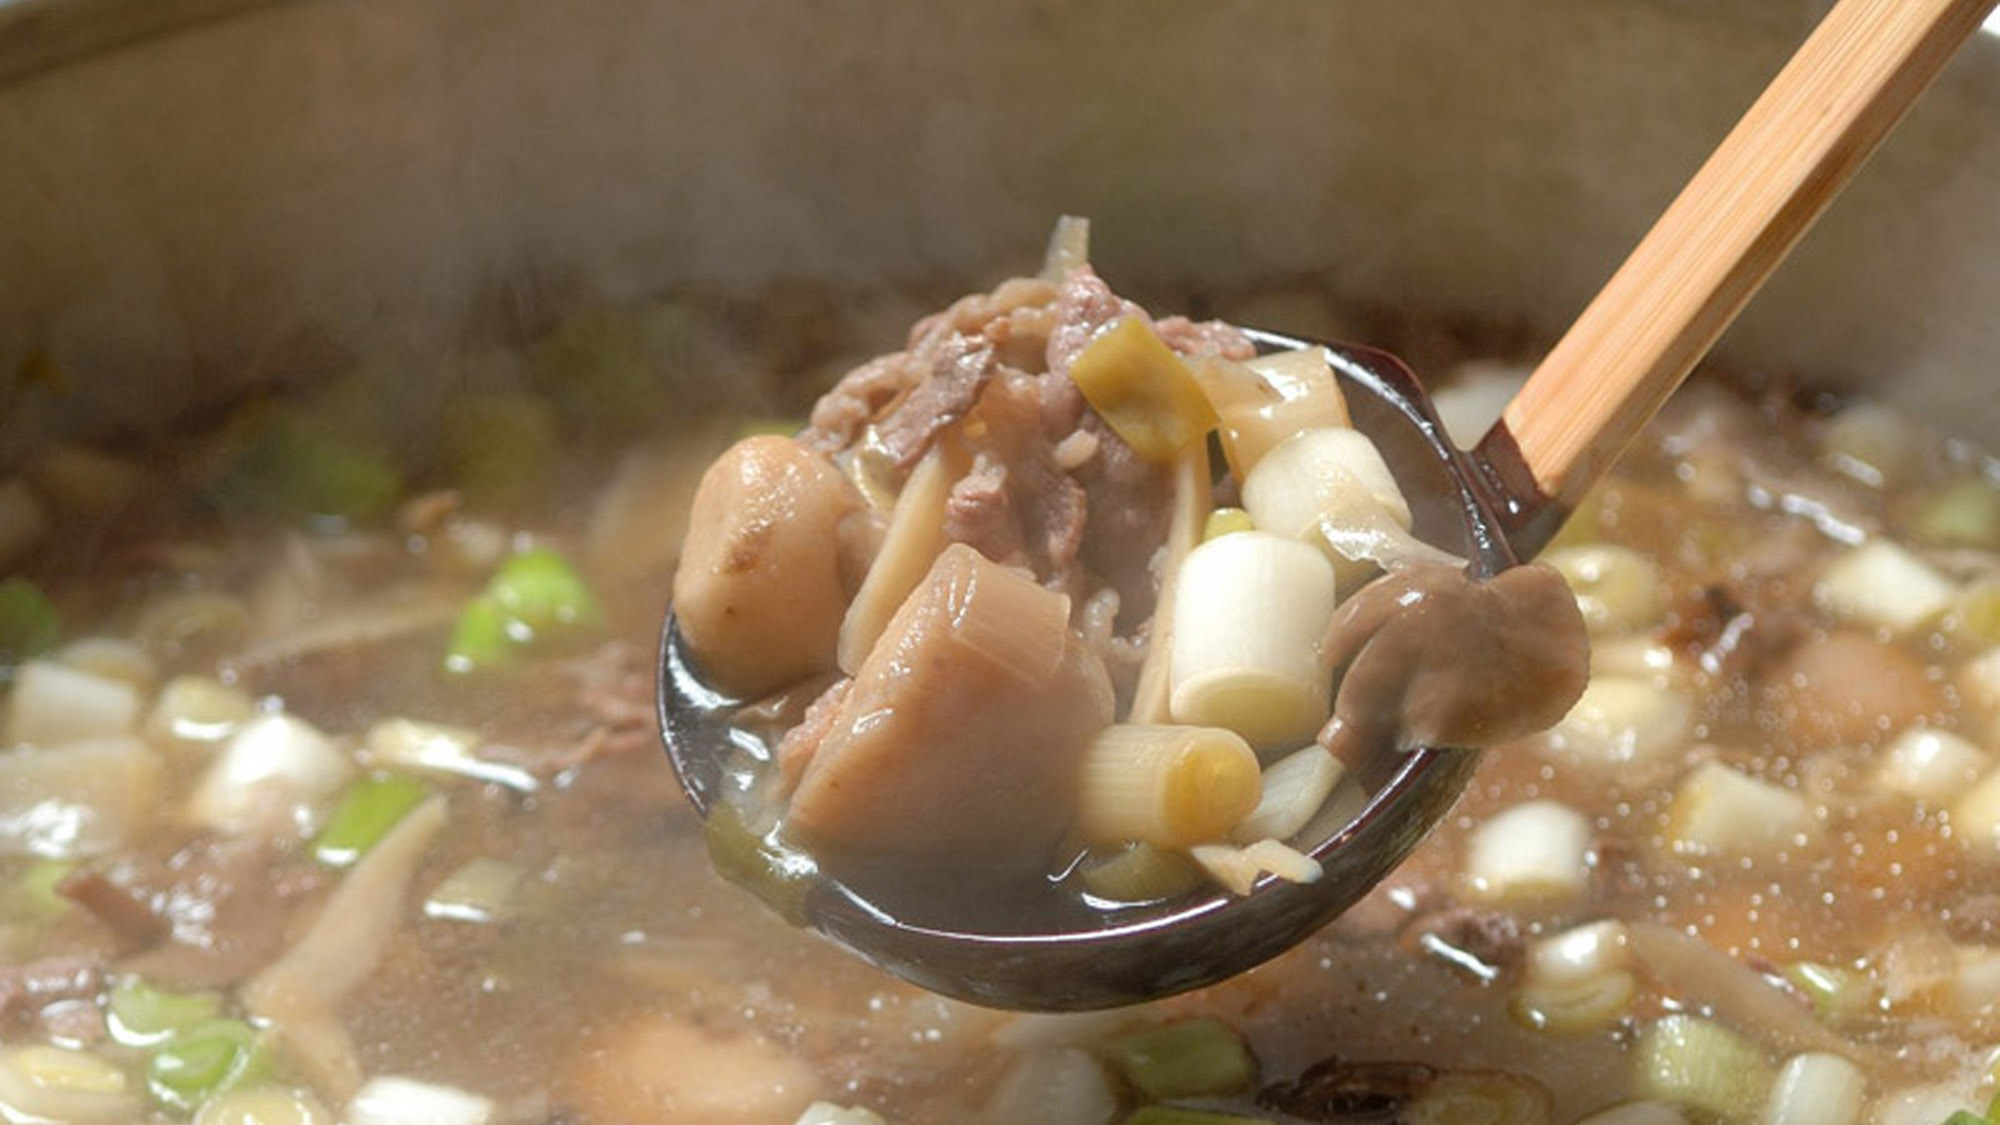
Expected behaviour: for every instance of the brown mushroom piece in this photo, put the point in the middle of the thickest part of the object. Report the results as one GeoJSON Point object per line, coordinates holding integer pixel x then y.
{"type": "Point", "coordinates": [957, 742]}
{"type": "Point", "coordinates": [1427, 655]}
{"type": "Point", "coordinates": [762, 584]}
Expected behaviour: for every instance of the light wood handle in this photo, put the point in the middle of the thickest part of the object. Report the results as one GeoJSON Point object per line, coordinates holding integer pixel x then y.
{"type": "Point", "coordinates": [1731, 226]}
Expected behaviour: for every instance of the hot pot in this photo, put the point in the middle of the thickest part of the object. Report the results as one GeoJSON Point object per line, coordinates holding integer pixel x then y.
{"type": "Point", "coordinates": [223, 201]}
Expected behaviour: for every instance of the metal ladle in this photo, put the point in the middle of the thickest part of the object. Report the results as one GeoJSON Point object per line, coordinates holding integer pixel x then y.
{"type": "Point", "coordinates": [1777, 170]}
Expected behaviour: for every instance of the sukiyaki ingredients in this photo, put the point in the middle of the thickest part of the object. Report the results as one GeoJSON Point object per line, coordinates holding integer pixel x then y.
{"type": "Point", "coordinates": [139, 1014]}
{"type": "Point", "coordinates": [366, 812]}
{"type": "Point", "coordinates": [77, 800]}
{"type": "Point", "coordinates": [443, 750]}
{"type": "Point", "coordinates": [1275, 857]}
{"type": "Point", "coordinates": [1142, 390]}
{"type": "Point", "coordinates": [41, 1082]}
{"type": "Point", "coordinates": [1975, 816]}
{"type": "Point", "coordinates": [1196, 1058]}
{"type": "Point", "coordinates": [761, 590]}
{"type": "Point", "coordinates": [1718, 812]}
{"type": "Point", "coordinates": [282, 464]}
{"type": "Point", "coordinates": [54, 703]}
{"type": "Point", "coordinates": [1173, 786]}
{"type": "Point", "coordinates": [1698, 1063]}
{"type": "Point", "coordinates": [1295, 788]}
{"type": "Point", "coordinates": [1535, 851]}
{"type": "Point", "coordinates": [1399, 648]}
{"type": "Point", "coordinates": [276, 768]}
{"type": "Point", "coordinates": [1816, 1089]}
{"type": "Point", "coordinates": [535, 596]}
{"type": "Point", "coordinates": [960, 737]}
{"type": "Point", "coordinates": [1250, 610]}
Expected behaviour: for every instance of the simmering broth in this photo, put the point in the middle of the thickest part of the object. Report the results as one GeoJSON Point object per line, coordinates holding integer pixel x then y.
{"type": "Point", "coordinates": [1766, 834]}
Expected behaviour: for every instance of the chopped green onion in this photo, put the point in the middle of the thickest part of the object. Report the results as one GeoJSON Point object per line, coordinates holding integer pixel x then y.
{"type": "Point", "coordinates": [1698, 1063]}
{"type": "Point", "coordinates": [1177, 1115]}
{"type": "Point", "coordinates": [1836, 992]}
{"type": "Point", "coordinates": [141, 1015]}
{"type": "Point", "coordinates": [1484, 1097]}
{"type": "Point", "coordinates": [263, 1105]}
{"type": "Point", "coordinates": [535, 594]}
{"type": "Point", "coordinates": [366, 813]}
{"type": "Point", "coordinates": [480, 638]}
{"type": "Point", "coordinates": [29, 623]}
{"type": "Point", "coordinates": [205, 1061]}
{"type": "Point", "coordinates": [1966, 1117]}
{"type": "Point", "coordinates": [1192, 1059]}
{"type": "Point", "coordinates": [288, 468]}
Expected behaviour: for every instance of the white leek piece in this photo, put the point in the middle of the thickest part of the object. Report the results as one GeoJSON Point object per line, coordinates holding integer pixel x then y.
{"type": "Point", "coordinates": [406, 1101]}
{"type": "Point", "coordinates": [909, 547]}
{"type": "Point", "coordinates": [1928, 764]}
{"type": "Point", "coordinates": [1053, 1086]}
{"type": "Point", "coordinates": [1618, 589]}
{"type": "Point", "coordinates": [263, 1105]}
{"type": "Point", "coordinates": [1621, 721]}
{"type": "Point", "coordinates": [1816, 1089]}
{"type": "Point", "coordinates": [1531, 852]}
{"type": "Point", "coordinates": [1262, 403]}
{"type": "Point", "coordinates": [830, 1113]}
{"type": "Point", "coordinates": [1883, 585]}
{"type": "Point", "coordinates": [1069, 247]}
{"type": "Point", "coordinates": [54, 703]}
{"type": "Point", "coordinates": [193, 712]}
{"type": "Point", "coordinates": [1486, 1096]}
{"type": "Point", "coordinates": [1718, 811]}
{"type": "Point", "coordinates": [78, 800]}
{"type": "Point", "coordinates": [114, 658]}
{"type": "Point", "coordinates": [1296, 786]}
{"type": "Point", "coordinates": [278, 759]}
{"type": "Point", "coordinates": [1166, 785]}
{"type": "Point", "coordinates": [1328, 481]}
{"type": "Point", "coordinates": [1249, 613]}
{"type": "Point", "coordinates": [1283, 860]}
{"type": "Point", "coordinates": [1975, 816]}
{"type": "Point", "coordinates": [440, 748]}
{"type": "Point", "coordinates": [1699, 1063]}
{"type": "Point", "coordinates": [1579, 951]}
{"type": "Point", "coordinates": [41, 1082]}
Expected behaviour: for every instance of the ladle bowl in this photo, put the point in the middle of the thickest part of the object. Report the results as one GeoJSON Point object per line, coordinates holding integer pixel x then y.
{"type": "Point", "coordinates": [1657, 316]}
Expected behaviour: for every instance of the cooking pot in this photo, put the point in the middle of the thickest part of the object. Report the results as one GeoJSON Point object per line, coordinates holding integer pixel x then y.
{"type": "Point", "coordinates": [204, 199]}
{"type": "Point", "coordinates": [200, 198]}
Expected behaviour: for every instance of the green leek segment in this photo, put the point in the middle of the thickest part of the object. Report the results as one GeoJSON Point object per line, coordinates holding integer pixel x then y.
{"type": "Point", "coordinates": [365, 814]}
{"type": "Point", "coordinates": [535, 596]}
{"type": "Point", "coordinates": [1198, 1058]}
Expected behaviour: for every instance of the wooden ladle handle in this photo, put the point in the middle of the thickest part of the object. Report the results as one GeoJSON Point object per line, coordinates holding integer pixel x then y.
{"type": "Point", "coordinates": [1794, 150]}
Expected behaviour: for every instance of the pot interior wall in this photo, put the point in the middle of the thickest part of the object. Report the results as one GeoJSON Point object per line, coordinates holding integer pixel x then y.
{"type": "Point", "coordinates": [192, 213]}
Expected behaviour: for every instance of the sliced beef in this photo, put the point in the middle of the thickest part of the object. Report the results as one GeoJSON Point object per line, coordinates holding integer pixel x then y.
{"type": "Point", "coordinates": [958, 373]}
{"type": "Point", "coordinates": [230, 903]}
{"type": "Point", "coordinates": [28, 988]}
